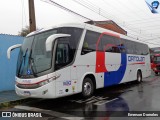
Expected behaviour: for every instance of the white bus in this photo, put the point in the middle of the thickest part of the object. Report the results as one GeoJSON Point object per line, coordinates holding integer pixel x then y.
{"type": "Point", "coordinates": [73, 58]}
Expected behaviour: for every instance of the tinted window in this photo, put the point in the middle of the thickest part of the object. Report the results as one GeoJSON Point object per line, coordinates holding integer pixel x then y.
{"type": "Point", "coordinates": [138, 49]}
{"type": "Point", "coordinates": [156, 59]}
{"type": "Point", "coordinates": [123, 47]}
{"type": "Point", "coordinates": [130, 47]}
{"type": "Point", "coordinates": [62, 55]}
{"type": "Point", "coordinates": [73, 39]}
{"type": "Point", "coordinates": [25, 51]}
{"type": "Point", "coordinates": [145, 49]}
{"type": "Point", "coordinates": [90, 41]}
{"type": "Point", "coordinates": [110, 44]}
{"type": "Point", "coordinates": [75, 35]}
{"type": "Point", "coordinates": [42, 59]}
{"type": "Point", "coordinates": [135, 47]}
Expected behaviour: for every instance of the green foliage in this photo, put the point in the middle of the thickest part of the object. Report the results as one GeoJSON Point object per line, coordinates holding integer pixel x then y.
{"type": "Point", "coordinates": [24, 32]}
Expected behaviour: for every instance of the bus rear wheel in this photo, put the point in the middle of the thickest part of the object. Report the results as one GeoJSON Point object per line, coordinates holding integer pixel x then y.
{"type": "Point", "coordinates": [139, 77]}
{"type": "Point", "coordinates": [87, 88]}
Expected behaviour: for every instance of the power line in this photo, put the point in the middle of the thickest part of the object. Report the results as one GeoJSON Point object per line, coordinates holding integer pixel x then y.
{"type": "Point", "coordinates": [148, 26]}
{"type": "Point", "coordinates": [102, 11]}
{"type": "Point", "coordinates": [64, 8]}
{"type": "Point", "coordinates": [142, 21]}
{"type": "Point", "coordinates": [153, 28]}
{"type": "Point", "coordinates": [155, 39]}
{"type": "Point", "coordinates": [96, 9]}
{"type": "Point", "coordinates": [143, 41]}
{"type": "Point", "coordinates": [115, 8]}
{"type": "Point", "coordinates": [146, 19]}
{"type": "Point", "coordinates": [140, 29]}
{"type": "Point", "coordinates": [84, 5]}
{"type": "Point", "coordinates": [128, 8]}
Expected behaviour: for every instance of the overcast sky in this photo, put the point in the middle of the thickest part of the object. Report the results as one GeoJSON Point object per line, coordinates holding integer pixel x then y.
{"type": "Point", "coordinates": [133, 15]}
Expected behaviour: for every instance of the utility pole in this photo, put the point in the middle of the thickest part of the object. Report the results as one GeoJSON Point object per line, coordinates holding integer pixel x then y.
{"type": "Point", "coordinates": [32, 21]}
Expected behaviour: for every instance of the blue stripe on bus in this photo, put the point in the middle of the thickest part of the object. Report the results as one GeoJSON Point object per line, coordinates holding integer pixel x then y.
{"type": "Point", "coordinates": [115, 77]}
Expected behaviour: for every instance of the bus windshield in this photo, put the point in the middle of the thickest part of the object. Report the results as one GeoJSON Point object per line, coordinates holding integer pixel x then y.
{"type": "Point", "coordinates": [33, 57]}
{"type": "Point", "coordinates": [156, 59]}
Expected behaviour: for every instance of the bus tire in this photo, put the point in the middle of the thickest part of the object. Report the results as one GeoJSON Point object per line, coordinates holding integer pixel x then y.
{"type": "Point", "coordinates": [156, 73]}
{"type": "Point", "coordinates": [139, 76]}
{"type": "Point", "coordinates": [87, 87]}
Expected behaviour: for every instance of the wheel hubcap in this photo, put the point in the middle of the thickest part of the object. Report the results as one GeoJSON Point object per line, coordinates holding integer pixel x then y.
{"type": "Point", "coordinates": [87, 88]}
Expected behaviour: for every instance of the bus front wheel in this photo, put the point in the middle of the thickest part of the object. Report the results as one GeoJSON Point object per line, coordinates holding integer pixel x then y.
{"type": "Point", "coordinates": [87, 88]}
{"type": "Point", "coordinates": [139, 77]}
{"type": "Point", "coordinates": [156, 73]}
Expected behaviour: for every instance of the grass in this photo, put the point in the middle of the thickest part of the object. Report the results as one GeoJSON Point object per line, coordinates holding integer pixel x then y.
{"type": "Point", "coordinates": [11, 104]}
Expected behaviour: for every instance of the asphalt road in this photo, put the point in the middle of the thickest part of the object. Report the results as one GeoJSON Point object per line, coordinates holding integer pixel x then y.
{"type": "Point", "coordinates": [127, 98]}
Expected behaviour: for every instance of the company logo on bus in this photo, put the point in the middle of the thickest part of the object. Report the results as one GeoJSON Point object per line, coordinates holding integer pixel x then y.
{"type": "Point", "coordinates": [26, 81]}
{"type": "Point", "coordinates": [136, 59]}
{"type": "Point", "coordinates": [67, 83]}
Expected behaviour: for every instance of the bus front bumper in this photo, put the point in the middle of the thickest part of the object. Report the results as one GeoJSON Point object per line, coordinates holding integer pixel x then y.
{"type": "Point", "coordinates": [46, 91]}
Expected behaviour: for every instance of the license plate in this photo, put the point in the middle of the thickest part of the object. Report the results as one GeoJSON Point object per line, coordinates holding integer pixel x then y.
{"type": "Point", "coordinates": [27, 93]}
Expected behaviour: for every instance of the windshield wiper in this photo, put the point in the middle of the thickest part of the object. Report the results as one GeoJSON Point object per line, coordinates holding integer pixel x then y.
{"type": "Point", "coordinates": [23, 59]}
{"type": "Point", "coordinates": [31, 64]}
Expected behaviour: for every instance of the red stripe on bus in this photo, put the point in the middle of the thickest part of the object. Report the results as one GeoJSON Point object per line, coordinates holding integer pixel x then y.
{"type": "Point", "coordinates": [138, 63]}
{"type": "Point", "coordinates": [100, 55]}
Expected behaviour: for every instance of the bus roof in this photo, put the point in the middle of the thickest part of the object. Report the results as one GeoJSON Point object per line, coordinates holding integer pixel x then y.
{"type": "Point", "coordinates": [83, 26]}
{"type": "Point", "coordinates": [78, 25]}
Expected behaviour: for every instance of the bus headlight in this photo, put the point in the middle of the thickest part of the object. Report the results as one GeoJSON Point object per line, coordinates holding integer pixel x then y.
{"type": "Point", "coordinates": [155, 68]}
{"type": "Point", "coordinates": [35, 85]}
{"type": "Point", "coordinates": [43, 83]}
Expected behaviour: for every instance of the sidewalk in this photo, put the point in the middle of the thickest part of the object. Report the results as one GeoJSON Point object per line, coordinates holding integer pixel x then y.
{"type": "Point", "coordinates": [9, 96]}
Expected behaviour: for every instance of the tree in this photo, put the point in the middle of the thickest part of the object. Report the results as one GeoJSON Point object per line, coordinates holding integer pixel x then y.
{"type": "Point", "coordinates": [24, 32]}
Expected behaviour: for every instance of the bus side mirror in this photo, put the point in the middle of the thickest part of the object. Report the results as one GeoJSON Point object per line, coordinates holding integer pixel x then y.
{"type": "Point", "coordinates": [52, 38]}
{"type": "Point", "coordinates": [12, 48]}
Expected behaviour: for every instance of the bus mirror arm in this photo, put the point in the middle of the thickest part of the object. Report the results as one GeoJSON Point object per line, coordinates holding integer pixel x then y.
{"type": "Point", "coordinates": [52, 38]}
{"type": "Point", "coordinates": [12, 48]}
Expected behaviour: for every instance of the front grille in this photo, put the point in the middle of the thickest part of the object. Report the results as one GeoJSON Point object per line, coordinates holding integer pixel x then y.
{"type": "Point", "coordinates": [32, 86]}
{"type": "Point", "coordinates": [158, 67]}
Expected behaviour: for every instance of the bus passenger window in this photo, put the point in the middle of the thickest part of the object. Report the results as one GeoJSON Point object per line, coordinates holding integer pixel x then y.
{"type": "Point", "coordinates": [122, 48]}
{"type": "Point", "coordinates": [89, 44]}
{"type": "Point", "coordinates": [110, 44]}
{"type": "Point", "coordinates": [85, 45]}
{"type": "Point", "coordinates": [115, 49]}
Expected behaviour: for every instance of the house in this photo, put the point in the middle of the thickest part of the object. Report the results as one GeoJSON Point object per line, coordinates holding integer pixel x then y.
{"type": "Point", "coordinates": [109, 24]}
